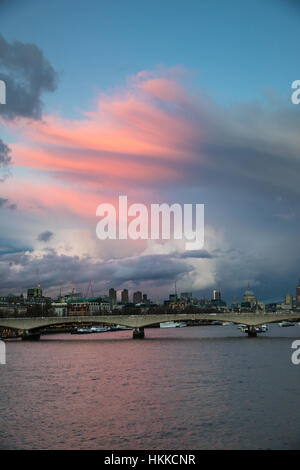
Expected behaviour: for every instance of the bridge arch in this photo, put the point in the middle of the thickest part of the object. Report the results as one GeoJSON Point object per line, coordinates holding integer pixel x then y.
{"type": "Point", "coordinates": [140, 321]}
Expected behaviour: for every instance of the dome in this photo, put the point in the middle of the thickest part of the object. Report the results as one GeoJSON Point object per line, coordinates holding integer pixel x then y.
{"type": "Point", "coordinates": [249, 293]}
{"type": "Point", "coordinates": [249, 296]}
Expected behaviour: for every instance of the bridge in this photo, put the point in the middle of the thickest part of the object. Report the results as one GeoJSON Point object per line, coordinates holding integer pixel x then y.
{"type": "Point", "coordinates": [30, 327]}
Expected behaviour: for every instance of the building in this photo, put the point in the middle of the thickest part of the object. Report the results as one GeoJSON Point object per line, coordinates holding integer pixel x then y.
{"type": "Point", "coordinates": [216, 295]}
{"type": "Point", "coordinates": [79, 306]}
{"type": "Point", "coordinates": [70, 296]}
{"type": "Point", "coordinates": [91, 306]}
{"type": "Point", "coordinates": [249, 296]}
{"type": "Point", "coordinates": [59, 309]}
{"type": "Point", "coordinates": [234, 305]}
{"type": "Point", "coordinates": [146, 301]}
{"type": "Point", "coordinates": [186, 296]}
{"type": "Point", "coordinates": [124, 296]}
{"type": "Point", "coordinates": [217, 301]}
{"type": "Point", "coordinates": [105, 306]}
{"type": "Point", "coordinates": [112, 295]}
{"type": "Point", "coordinates": [288, 302]}
{"type": "Point", "coordinates": [12, 299]}
{"type": "Point", "coordinates": [249, 300]}
{"type": "Point", "coordinates": [260, 305]}
{"type": "Point", "coordinates": [137, 297]}
{"type": "Point", "coordinates": [173, 298]}
{"type": "Point", "coordinates": [39, 300]}
{"type": "Point", "coordinates": [34, 292]}
{"type": "Point", "coordinates": [298, 295]}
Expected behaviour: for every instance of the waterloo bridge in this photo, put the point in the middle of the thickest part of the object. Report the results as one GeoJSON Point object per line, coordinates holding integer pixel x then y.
{"type": "Point", "coordinates": [30, 328]}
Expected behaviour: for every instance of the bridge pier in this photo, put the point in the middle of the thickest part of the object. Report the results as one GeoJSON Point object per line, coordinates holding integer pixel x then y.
{"type": "Point", "coordinates": [30, 336]}
{"type": "Point", "coordinates": [252, 331]}
{"type": "Point", "coordinates": [138, 333]}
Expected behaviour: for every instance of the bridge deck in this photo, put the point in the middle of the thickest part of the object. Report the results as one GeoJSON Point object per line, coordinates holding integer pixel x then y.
{"type": "Point", "coordinates": [140, 321]}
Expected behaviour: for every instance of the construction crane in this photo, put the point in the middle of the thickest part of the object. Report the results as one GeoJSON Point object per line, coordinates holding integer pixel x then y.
{"type": "Point", "coordinates": [38, 278]}
{"type": "Point", "coordinates": [60, 289]}
{"type": "Point", "coordinates": [90, 288]}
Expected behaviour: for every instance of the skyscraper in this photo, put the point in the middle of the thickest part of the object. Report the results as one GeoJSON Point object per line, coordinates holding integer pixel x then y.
{"type": "Point", "coordinates": [124, 296]}
{"type": "Point", "coordinates": [216, 295]}
{"type": "Point", "coordinates": [187, 296]}
{"type": "Point", "coordinates": [298, 295]}
{"type": "Point", "coordinates": [34, 292]}
{"type": "Point", "coordinates": [137, 297]}
{"type": "Point", "coordinates": [288, 301]}
{"type": "Point", "coordinates": [112, 295]}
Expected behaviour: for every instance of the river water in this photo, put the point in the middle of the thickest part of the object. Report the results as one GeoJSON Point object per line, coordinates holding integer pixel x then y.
{"type": "Point", "coordinates": [204, 387]}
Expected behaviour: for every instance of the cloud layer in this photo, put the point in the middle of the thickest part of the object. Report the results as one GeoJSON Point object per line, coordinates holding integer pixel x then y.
{"type": "Point", "coordinates": [157, 140]}
{"type": "Point", "coordinates": [27, 75]}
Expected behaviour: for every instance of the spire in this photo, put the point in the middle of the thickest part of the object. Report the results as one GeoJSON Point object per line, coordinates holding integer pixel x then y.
{"type": "Point", "coordinates": [249, 286]}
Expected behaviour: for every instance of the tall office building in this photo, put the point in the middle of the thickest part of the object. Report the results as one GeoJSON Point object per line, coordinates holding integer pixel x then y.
{"type": "Point", "coordinates": [288, 301]}
{"type": "Point", "coordinates": [216, 295]}
{"type": "Point", "coordinates": [112, 295]}
{"type": "Point", "coordinates": [34, 292]}
{"type": "Point", "coordinates": [173, 298]}
{"type": "Point", "coordinates": [137, 297]}
{"type": "Point", "coordinates": [187, 296]}
{"type": "Point", "coordinates": [298, 295]}
{"type": "Point", "coordinates": [124, 296]}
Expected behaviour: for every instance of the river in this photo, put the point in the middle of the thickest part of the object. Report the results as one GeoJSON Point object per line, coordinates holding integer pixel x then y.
{"type": "Point", "coordinates": [208, 387]}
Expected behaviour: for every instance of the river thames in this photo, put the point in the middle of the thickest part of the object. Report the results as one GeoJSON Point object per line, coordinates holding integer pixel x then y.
{"type": "Point", "coordinates": [208, 387]}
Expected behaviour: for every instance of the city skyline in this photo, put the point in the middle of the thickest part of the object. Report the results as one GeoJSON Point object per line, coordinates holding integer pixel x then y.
{"type": "Point", "coordinates": [125, 296]}
{"type": "Point", "coordinates": [196, 117]}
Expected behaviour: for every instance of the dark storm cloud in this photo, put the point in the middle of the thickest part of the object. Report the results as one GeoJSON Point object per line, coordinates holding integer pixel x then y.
{"type": "Point", "coordinates": [195, 254]}
{"type": "Point", "coordinates": [150, 267]}
{"type": "Point", "coordinates": [17, 270]}
{"type": "Point", "coordinates": [5, 157]}
{"type": "Point", "coordinates": [27, 74]}
{"type": "Point", "coordinates": [4, 202]}
{"type": "Point", "coordinates": [45, 236]}
{"type": "Point", "coordinates": [248, 147]}
{"type": "Point", "coordinates": [5, 160]}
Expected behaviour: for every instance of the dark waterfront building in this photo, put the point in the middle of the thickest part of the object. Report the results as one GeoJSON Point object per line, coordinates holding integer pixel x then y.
{"type": "Point", "coordinates": [217, 301]}
{"type": "Point", "coordinates": [187, 296]}
{"type": "Point", "coordinates": [234, 305]}
{"type": "Point", "coordinates": [124, 296]}
{"type": "Point", "coordinates": [216, 295]}
{"type": "Point", "coordinates": [173, 298]}
{"type": "Point", "coordinates": [112, 295]}
{"type": "Point", "coordinates": [298, 295]}
{"type": "Point", "coordinates": [137, 297]}
{"type": "Point", "coordinates": [12, 299]}
{"type": "Point", "coordinates": [34, 292]}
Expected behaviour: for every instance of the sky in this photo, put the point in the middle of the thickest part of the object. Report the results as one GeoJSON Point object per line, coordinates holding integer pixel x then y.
{"type": "Point", "coordinates": [162, 101]}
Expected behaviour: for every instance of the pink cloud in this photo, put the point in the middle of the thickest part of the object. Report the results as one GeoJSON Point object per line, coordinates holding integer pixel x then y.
{"type": "Point", "coordinates": [135, 137]}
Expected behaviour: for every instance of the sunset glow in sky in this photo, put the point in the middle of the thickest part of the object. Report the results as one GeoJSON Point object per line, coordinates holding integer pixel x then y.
{"type": "Point", "coordinates": [103, 105]}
